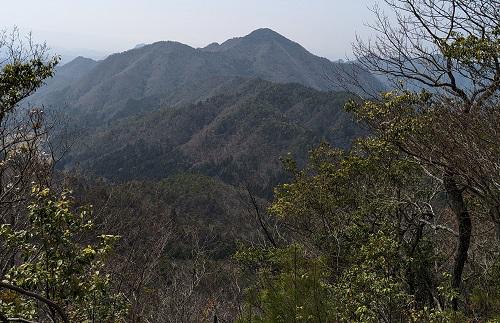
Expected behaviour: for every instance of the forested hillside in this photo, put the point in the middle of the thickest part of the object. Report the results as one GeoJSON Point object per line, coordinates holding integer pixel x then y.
{"type": "Point", "coordinates": [237, 137]}
{"type": "Point", "coordinates": [167, 108]}
{"type": "Point", "coordinates": [252, 181]}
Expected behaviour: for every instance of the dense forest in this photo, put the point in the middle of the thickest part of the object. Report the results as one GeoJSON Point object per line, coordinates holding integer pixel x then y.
{"type": "Point", "coordinates": [252, 181]}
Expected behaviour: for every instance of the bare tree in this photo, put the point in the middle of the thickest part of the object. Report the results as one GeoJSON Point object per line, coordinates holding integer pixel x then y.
{"type": "Point", "coordinates": [24, 156]}
{"type": "Point", "coordinates": [450, 46]}
{"type": "Point", "coordinates": [451, 49]}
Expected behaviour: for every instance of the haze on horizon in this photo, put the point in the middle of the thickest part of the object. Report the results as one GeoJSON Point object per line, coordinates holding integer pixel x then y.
{"type": "Point", "coordinates": [95, 27]}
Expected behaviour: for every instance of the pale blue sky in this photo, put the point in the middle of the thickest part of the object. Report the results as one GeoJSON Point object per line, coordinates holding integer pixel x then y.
{"type": "Point", "coordinates": [325, 27]}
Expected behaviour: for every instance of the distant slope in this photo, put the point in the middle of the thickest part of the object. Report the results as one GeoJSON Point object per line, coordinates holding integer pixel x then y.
{"type": "Point", "coordinates": [183, 203]}
{"type": "Point", "coordinates": [237, 137]}
{"type": "Point", "coordinates": [66, 75]}
{"type": "Point", "coordinates": [159, 72]}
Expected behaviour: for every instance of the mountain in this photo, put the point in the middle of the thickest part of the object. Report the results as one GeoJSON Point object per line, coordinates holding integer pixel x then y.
{"type": "Point", "coordinates": [273, 57]}
{"type": "Point", "coordinates": [236, 137]}
{"type": "Point", "coordinates": [66, 75]}
{"type": "Point", "coordinates": [158, 72]}
{"type": "Point", "coordinates": [69, 54]}
{"type": "Point", "coordinates": [228, 111]}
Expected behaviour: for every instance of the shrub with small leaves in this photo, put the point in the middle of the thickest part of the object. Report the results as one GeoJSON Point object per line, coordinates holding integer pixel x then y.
{"type": "Point", "coordinates": [57, 260]}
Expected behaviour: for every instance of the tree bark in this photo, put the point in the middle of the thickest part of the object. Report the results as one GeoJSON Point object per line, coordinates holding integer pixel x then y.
{"type": "Point", "coordinates": [495, 216]}
{"type": "Point", "coordinates": [457, 204]}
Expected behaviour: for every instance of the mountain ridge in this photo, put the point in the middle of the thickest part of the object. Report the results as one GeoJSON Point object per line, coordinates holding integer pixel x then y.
{"type": "Point", "coordinates": [231, 113]}
{"type": "Point", "coordinates": [159, 69]}
{"type": "Point", "coordinates": [235, 137]}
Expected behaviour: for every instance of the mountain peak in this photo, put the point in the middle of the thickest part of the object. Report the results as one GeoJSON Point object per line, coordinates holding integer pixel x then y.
{"type": "Point", "coordinates": [79, 61]}
{"type": "Point", "coordinates": [83, 59]}
{"type": "Point", "coordinates": [256, 37]}
{"type": "Point", "coordinates": [265, 34]}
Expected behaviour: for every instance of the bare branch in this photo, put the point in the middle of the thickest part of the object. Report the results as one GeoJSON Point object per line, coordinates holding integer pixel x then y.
{"type": "Point", "coordinates": [36, 296]}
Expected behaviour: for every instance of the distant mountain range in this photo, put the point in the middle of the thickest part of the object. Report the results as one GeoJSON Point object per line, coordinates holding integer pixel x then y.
{"type": "Point", "coordinates": [160, 71]}
{"type": "Point", "coordinates": [67, 55]}
{"type": "Point", "coordinates": [227, 110]}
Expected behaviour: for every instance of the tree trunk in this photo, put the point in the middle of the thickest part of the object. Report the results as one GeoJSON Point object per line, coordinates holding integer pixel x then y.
{"type": "Point", "coordinates": [456, 200]}
{"type": "Point", "coordinates": [495, 216]}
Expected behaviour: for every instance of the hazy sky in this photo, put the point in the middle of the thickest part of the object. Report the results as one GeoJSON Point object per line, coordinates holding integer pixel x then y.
{"type": "Point", "coordinates": [325, 27]}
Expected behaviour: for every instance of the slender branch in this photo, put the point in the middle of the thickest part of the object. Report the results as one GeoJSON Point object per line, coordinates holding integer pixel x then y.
{"type": "Point", "coordinates": [259, 217]}
{"type": "Point", "coordinates": [42, 299]}
{"type": "Point", "coordinates": [18, 319]}
{"type": "Point", "coordinates": [438, 226]}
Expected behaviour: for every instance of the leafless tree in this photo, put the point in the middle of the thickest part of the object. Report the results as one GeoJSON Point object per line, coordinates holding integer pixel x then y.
{"type": "Point", "coordinates": [424, 44]}
{"type": "Point", "coordinates": [451, 49]}
{"type": "Point", "coordinates": [25, 157]}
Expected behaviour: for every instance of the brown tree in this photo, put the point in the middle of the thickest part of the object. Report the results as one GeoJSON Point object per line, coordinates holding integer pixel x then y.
{"type": "Point", "coordinates": [449, 48]}
{"type": "Point", "coordinates": [25, 156]}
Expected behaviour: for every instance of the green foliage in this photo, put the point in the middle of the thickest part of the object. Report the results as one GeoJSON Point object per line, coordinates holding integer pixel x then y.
{"type": "Point", "coordinates": [55, 261]}
{"type": "Point", "coordinates": [19, 79]}
{"type": "Point", "coordinates": [370, 290]}
{"type": "Point", "coordinates": [293, 286]}
{"type": "Point", "coordinates": [360, 212]}
{"type": "Point", "coordinates": [397, 116]}
{"type": "Point", "coordinates": [471, 49]}
{"type": "Point", "coordinates": [485, 297]}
